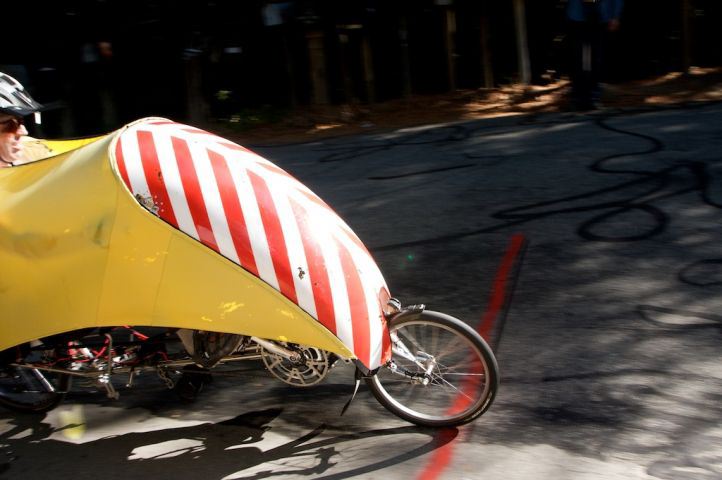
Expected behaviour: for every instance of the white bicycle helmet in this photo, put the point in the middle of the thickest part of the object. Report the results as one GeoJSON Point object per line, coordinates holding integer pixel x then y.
{"type": "Point", "coordinates": [14, 100]}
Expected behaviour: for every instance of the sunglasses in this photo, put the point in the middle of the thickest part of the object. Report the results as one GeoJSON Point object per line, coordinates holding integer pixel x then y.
{"type": "Point", "coordinates": [11, 125]}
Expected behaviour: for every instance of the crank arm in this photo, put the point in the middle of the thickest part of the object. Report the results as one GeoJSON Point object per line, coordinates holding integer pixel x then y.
{"type": "Point", "coordinates": [277, 349]}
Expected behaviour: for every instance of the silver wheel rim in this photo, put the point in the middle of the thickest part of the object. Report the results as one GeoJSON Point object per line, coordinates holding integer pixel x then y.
{"type": "Point", "coordinates": [459, 383]}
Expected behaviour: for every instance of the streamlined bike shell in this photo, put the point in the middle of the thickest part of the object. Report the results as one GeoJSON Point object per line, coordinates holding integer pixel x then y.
{"type": "Point", "coordinates": [162, 224]}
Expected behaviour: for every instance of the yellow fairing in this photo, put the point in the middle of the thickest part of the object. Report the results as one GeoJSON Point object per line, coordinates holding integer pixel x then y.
{"type": "Point", "coordinates": [77, 250]}
{"type": "Point", "coordinates": [61, 146]}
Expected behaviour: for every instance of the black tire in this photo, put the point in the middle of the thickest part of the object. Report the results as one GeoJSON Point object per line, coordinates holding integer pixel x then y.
{"type": "Point", "coordinates": [25, 390]}
{"type": "Point", "coordinates": [462, 384]}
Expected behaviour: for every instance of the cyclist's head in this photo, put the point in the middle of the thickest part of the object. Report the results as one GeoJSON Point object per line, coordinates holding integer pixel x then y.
{"type": "Point", "coordinates": [15, 104]}
{"type": "Point", "coordinates": [14, 99]}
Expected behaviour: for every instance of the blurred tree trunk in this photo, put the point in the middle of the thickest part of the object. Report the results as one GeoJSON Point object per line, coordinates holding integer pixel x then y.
{"type": "Point", "coordinates": [449, 46]}
{"type": "Point", "coordinates": [344, 47]}
{"type": "Point", "coordinates": [686, 36]}
{"type": "Point", "coordinates": [368, 66]}
{"type": "Point", "coordinates": [486, 47]}
{"type": "Point", "coordinates": [405, 62]}
{"type": "Point", "coordinates": [522, 46]}
{"type": "Point", "coordinates": [317, 64]}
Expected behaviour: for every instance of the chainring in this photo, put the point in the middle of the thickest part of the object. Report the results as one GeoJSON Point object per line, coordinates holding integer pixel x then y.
{"type": "Point", "coordinates": [310, 370]}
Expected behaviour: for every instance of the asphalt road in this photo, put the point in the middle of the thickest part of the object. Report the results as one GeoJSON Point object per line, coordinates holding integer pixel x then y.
{"type": "Point", "coordinates": [610, 349]}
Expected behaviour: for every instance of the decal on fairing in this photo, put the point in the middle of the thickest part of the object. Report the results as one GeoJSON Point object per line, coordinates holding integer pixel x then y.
{"type": "Point", "coordinates": [258, 216]}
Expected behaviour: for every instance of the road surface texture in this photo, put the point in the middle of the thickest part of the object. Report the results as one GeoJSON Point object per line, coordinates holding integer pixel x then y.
{"type": "Point", "coordinates": [609, 349]}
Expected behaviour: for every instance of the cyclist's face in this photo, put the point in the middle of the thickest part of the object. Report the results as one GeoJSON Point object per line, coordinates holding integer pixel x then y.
{"type": "Point", "coordinates": [11, 130]}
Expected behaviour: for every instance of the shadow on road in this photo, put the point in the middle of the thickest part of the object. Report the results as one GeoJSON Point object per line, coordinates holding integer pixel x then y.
{"type": "Point", "coordinates": [211, 450]}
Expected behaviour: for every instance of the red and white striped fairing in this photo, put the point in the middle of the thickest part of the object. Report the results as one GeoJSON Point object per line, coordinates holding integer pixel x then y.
{"type": "Point", "coordinates": [261, 218]}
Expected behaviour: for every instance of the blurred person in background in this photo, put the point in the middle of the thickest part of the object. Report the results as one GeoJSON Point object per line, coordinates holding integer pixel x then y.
{"type": "Point", "coordinates": [15, 104]}
{"type": "Point", "coordinates": [590, 23]}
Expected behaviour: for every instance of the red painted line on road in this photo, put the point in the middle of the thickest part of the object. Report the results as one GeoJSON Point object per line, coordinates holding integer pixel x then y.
{"type": "Point", "coordinates": [443, 455]}
{"type": "Point", "coordinates": [499, 292]}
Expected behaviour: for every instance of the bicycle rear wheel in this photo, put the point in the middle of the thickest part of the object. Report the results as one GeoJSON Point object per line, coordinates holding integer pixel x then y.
{"type": "Point", "coordinates": [441, 374]}
{"type": "Point", "coordinates": [30, 390]}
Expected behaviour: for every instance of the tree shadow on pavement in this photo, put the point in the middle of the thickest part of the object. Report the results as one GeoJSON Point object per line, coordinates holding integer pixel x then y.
{"type": "Point", "coordinates": [208, 450]}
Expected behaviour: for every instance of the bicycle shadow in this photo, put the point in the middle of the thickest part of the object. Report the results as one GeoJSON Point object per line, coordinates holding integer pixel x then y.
{"type": "Point", "coordinates": [208, 450]}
